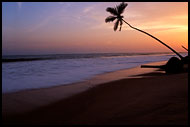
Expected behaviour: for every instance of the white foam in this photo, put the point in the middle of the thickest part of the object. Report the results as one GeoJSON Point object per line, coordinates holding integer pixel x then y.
{"type": "Point", "coordinates": [18, 76]}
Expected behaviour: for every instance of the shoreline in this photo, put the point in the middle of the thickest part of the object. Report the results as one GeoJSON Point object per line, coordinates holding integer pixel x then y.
{"type": "Point", "coordinates": [28, 100]}
{"type": "Point", "coordinates": [129, 74]}
{"type": "Point", "coordinates": [45, 96]}
{"type": "Point", "coordinates": [104, 101]}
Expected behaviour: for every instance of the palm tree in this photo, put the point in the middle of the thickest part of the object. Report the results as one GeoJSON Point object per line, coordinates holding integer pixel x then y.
{"type": "Point", "coordinates": [116, 14]}
{"type": "Point", "coordinates": [184, 48]}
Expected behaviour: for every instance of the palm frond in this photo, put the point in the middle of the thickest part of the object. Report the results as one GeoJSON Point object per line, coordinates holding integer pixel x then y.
{"type": "Point", "coordinates": [113, 11]}
{"type": "Point", "coordinates": [116, 14]}
{"type": "Point", "coordinates": [116, 25]}
{"type": "Point", "coordinates": [110, 19]}
{"type": "Point", "coordinates": [121, 23]}
{"type": "Point", "coordinates": [121, 7]}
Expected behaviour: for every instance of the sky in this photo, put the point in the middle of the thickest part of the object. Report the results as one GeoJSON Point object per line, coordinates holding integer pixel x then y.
{"type": "Point", "coordinates": [79, 27]}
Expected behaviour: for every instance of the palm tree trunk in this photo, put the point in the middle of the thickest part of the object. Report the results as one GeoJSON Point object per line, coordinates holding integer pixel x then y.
{"type": "Point", "coordinates": [184, 48]}
{"type": "Point", "coordinates": [155, 38]}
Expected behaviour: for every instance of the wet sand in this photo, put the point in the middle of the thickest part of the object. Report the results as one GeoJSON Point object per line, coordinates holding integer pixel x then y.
{"type": "Point", "coordinates": [157, 98]}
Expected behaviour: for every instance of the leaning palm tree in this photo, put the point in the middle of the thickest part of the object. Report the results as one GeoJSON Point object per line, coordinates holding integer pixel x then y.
{"type": "Point", "coordinates": [116, 14]}
{"type": "Point", "coordinates": [184, 48]}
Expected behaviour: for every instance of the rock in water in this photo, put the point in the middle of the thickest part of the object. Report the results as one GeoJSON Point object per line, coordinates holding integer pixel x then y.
{"type": "Point", "coordinates": [174, 65]}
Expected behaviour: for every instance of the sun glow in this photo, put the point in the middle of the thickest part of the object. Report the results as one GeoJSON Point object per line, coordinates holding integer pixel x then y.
{"type": "Point", "coordinates": [80, 27]}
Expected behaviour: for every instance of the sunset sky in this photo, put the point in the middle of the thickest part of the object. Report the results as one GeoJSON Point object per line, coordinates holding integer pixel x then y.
{"type": "Point", "coordinates": [79, 27]}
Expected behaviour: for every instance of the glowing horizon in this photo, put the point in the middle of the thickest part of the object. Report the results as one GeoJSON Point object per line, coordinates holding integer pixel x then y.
{"type": "Point", "coordinates": [68, 27]}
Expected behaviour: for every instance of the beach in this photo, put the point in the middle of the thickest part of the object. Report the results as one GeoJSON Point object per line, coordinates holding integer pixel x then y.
{"type": "Point", "coordinates": [95, 63]}
{"type": "Point", "coordinates": [146, 97]}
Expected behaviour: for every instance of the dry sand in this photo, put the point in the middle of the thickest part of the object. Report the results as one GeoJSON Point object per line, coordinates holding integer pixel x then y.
{"type": "Point", "coordinates": [156, 98]}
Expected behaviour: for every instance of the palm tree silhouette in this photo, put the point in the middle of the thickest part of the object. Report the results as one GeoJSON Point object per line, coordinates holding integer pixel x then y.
{"type": "Point", "coordinates": [116, 14]}
{"type": "Point", "coordinates": [184, 48]}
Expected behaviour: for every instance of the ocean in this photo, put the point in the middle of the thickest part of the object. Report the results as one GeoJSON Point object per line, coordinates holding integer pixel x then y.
{"type": "Point", "coordinates": [22, 72]}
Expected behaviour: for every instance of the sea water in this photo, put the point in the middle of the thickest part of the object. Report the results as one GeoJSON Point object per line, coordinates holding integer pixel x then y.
{"type": "Point", "coordinates": [21, 72]}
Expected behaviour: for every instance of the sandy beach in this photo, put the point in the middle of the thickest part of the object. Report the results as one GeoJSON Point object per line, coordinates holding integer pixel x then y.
{"type": "Point", "coordinates": [148, 98]}
{"type": "Point", "coordinates": [95, 63]}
